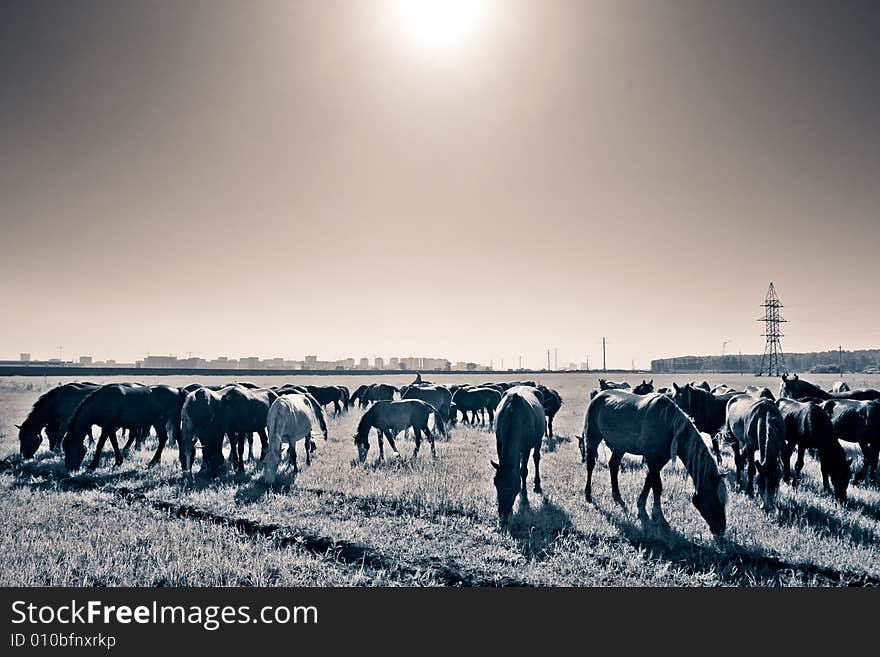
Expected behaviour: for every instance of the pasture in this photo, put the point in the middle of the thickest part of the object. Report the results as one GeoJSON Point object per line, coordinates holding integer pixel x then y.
{"type": "Point", "coordinates": [428, 522]}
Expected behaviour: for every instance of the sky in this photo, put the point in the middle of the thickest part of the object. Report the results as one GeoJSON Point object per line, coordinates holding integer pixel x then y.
{"type": "Point", "coordinates": [339, 178]}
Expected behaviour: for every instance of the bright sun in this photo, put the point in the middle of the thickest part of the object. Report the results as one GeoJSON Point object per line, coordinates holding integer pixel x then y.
{"type": "Point", "coordinates": [439, 22]}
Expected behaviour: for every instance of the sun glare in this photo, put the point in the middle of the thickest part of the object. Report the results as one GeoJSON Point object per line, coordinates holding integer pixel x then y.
{"type": "Point", "coordinates": [439, 22]}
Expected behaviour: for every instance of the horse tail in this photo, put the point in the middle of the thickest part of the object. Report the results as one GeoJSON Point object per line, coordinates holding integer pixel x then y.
{"type": "Point", "coordinates": [185, 444]}
{"type": "Point", "coordinates": [439, 422]}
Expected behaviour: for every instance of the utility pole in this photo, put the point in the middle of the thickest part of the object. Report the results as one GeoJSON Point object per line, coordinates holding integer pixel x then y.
{"type": "Point", "coordinates": [555, 358]}
{"type": "Point", "coordinates": [740, 362]}
{"type": "Point", "coordinates": [520, 362]}
{"type": "Point", "coordinates": [773, 362]}
{"type": "Point", "coordinates": [548, 360]}
{"type": "Point", "coordinates": [840, 358]}
{"type": "Point", "coordinates": [502, 364]}
{"type": "Point", "coordinates": [604, 366]}
{"type": "Point", "coordinates": [588, 362]}
{"type": "Point", "coordinates": [633, 365]}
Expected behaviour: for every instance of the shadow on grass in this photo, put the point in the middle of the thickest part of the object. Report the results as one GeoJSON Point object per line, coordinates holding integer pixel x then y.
{"type": "Point", "coordinates": [794, 512]}
{"type": "Point", "coordinates": [727, 560]}
{"type": "Point", "coordinates": [537, 528]}
{"type": "Point", "coordinates": [552, 443]}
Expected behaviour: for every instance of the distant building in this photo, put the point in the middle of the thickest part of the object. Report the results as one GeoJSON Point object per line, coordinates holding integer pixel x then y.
{"type": "Point", "coordinates": [379, 363]}
{"type": "Point", "coordinates": [23, 357]}
{"type": "Point", "coordinates": [310, 362]}
{"type": "Point", "coordinates": [249, 363]}
{"type": "Point", "coordinates": [394, 363]}
{"type": "Point", "coordinates": [160, 361]}
{"type": "Point", "coordinates": [364, 364]}
{"type": "Point", "coordinates": [85, 360]}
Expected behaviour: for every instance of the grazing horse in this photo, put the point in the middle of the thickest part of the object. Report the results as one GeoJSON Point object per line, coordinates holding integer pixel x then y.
{"type": "Point", "coordinates": [707, 410]}
{"type": "Point", "coordinates": [476, 400]}
{"type": "Point", "coordinates": [704, 385]}
{"type": "Point", "coordinates": [794, 387]}
{"type": "Point", "coordinates": [51, 411]}
{"type": "Point", "coordinates": [552, 402]}
{"type": "Point", "coordinates": [519, 429]}
{"type": "Point", "coordinates": [654, 427]}
{"type": "Point", "coordinates": [840, 386]}
{"type": "Point", "coordinates": [756, 424]}
{"type": "Point", "coordinates": [328, 395]}
{"type": "Point", "coordinates": [118, 405]}
{"type": "Point", "coordinates": [245, 411]}
{"type": "Point", "coordinates": [290, 418]}
{"type": "Point", "coordinates": [358, 395]}
{"type": "Point", "coordinates": [317, 409]}
{"type": "Point", "coordinates": [858, 421]}
{"type": "Point", "coordinates": [644, 388]}
{"type": "Point", "coordinates": [378, 392]}
{"type": "Point", "coordinates": [437, 396]}
{"type": "Point", "coordinates": [807, 426]}
{"type": "Point", "coordinates": [390, 418]}
{"type": "Point", "coordinates": [612, 385]}
{"type": "Point", "coordinates": [346, 397]}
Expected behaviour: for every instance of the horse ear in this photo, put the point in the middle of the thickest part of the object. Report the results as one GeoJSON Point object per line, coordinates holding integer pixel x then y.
{"type": "Point", "coordinates": [494, 465]}
{"type": "Point", "coordinates": [651, 382]}
{"type": "Point", "coordinates": [18, 426]}
{"type": "Point", "coordinates": [675, 385]}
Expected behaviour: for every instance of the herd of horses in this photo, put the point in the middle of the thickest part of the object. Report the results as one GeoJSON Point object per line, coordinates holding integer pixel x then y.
{"type": "Point", "coordinates": [762, 429]}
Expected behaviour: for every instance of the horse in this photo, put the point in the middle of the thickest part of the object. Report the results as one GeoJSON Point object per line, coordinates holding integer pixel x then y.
{"type": "Point", "coordinates": [118, 405]}
{"type": "Point", "coordinates": [723, 389]}
{"type": "Point", "coordinates": [840, 386]}
{"type": "Point", "coordinates": [418, 381]}
{"type": "Point", "coordinates": [704, 385]}
{"type": "Point", "coordinates": [328, 395]}
{"type": "Point", "coordinates": [317, 409]}
{"type": "Point", "coordinates": [346, 397]}
{"type": "Point", "coordinates": [390, 418]}
{"type": "Point", "coordinates": [437, 396]}
{"type": "Point", "coordinates": [552, 402]}
{"type": "Point", "coordinates": [644, 388]}
{"type": "Point", "coordinates": [358, 395]}
{"type": "Point", "coordinates": [764, 392]}
{"type": "Point", "coordinates": [290, 418]}
{"type": "Point", "coordinates": [245, 412]}
{"type": "Point", "coordinates": [858, 421]}
{"type": "Point", "coordinates": [612, 385]}
{"type": "Point", "coordinates": [378, 392]}
{"type": "Point", "coordinates": [476, 399]}
{"type": "Point", "coordinates": [807, 426]}
{"type": "Point", "coordinates": [757, 424]}
{"type": "Point", "coordinates": [707, 410]}
{"type": "Point", "coordinates": [519, 429]}
{"type": "Point", "coordinates": [796, 388]}
{"type": "Point", "coordinates": [654, 427]}
{"type": "Point", "coordinates": [51, 411]}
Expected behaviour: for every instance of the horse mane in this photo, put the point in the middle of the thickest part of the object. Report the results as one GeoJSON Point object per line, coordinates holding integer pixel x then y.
{"type": "Point", "coordinates": [688, 445]}
{"type": "Point", "coordinates": [40, 406]}
{"type": "Point", "coordinates": [364, 425]}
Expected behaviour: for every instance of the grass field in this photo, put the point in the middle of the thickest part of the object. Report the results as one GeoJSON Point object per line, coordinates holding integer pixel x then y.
{"type": "Point", "coordinates": [432, 522]}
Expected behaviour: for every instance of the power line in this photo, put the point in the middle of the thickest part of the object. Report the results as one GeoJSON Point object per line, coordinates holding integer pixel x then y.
{"type": "Point", "coordinates": [773, 360]}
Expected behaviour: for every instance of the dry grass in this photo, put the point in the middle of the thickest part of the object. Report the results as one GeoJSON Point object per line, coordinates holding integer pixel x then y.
{"type": "Point", "coordinates": [404, 522]}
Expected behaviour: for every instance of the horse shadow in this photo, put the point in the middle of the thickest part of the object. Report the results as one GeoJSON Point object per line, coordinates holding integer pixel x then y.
{"type": "Point", "coordinates": [536, 529]}
{"type": "Point", "coordinates": [790, 512]}
{"type": "Point", "coordinates": [552, 443]}
{"type": "Point", "coordinates": [255, 489]}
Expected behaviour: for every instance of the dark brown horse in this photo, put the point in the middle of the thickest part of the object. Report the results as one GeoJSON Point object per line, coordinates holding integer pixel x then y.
{"type": "Point", "coordinates": [437, 396]}
{"type": "Point", "coordinates": [707, 410]}
{"type": "Point", "coordinates": [552, 402]}
{"type": "Point", "coordinates": [52, 412]}
{"type": "Point", "coordinates": [756, 424]}
{"type": "Point", "coordinates": [325, 395]}
{"type": "Point", "coordinates": [794, 387]}
{"type": "Point", "coordinates": [652, 426]}
{"type": "Point", "coordinates": [519, 430]}
{"type": "Point", "coordinates": [858, 421]}
{"type": "Point", "coordinates": [118, 405]}
{"type": "Point", "coordinates": [644, 388]}
{"type": "Point", "coordinates": [476, 400]}
{"type": "Point", "coordinates": [807, 426]}
{"type": "Point", "coordinates": [389, 418]}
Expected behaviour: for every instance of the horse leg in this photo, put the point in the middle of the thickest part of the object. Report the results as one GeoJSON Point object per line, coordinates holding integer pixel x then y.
{"type": "Point", "coordinates": [390, 436]}
{"type": "Point", "coordinates": [381, 446]}
{"type": "Point", "coordinates": [418, 437]}
{"type": "Point", "coordinates": [643, 498]}
{"type": "Point", "coordinates": [431, 440]}
{"type": "Point", "coordinates": [130, 439]}
{"type": "Point", "coordinates": [738, 460]}
{"type": "Point", "coordinates": [866, 459]}
{"type": "Point", "coordinates": [162, 434]}
{"type": "Point", "coordinates": [614, 468]}
{"type": "Point", "coordinates": [491, 412]}
{"type": "Point", "coordinates": [116, 451]}
{"type": "Point", "coordinates": [591, 462]}
{"type": "Point", "coordinates": [657, 513]}
{"type": "Point", "coordinates": [291, 454]}
{"type": "Point", "coordinates": [308, 447]}
{"type": "Point", "coordinates": [550, 426]}
{"type": "Point", "coordinates": [786, 461]}
{"type": "Point", "coordinates": [96, 459]}
{"type": "Point", "coordinates": [799, 464]}
{"type": "Point", "coordinates": [536, 457]}
{"type": "Point", "coordinates": [523, 475]}
{"type": "Point", "coordinates": [750, 489]}
{"type": "Point", "coordinates": [336, 409]}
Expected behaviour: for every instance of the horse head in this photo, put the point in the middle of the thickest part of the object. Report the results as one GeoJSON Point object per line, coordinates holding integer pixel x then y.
{"type": "Point", "coordinates": [29, 440]}
{"type": "Point", "coordinates": [74, 451]}
{"type": "Point", "coordinates": [507, 484]}
{"type": "Point", "coordinates": [710, 500]}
